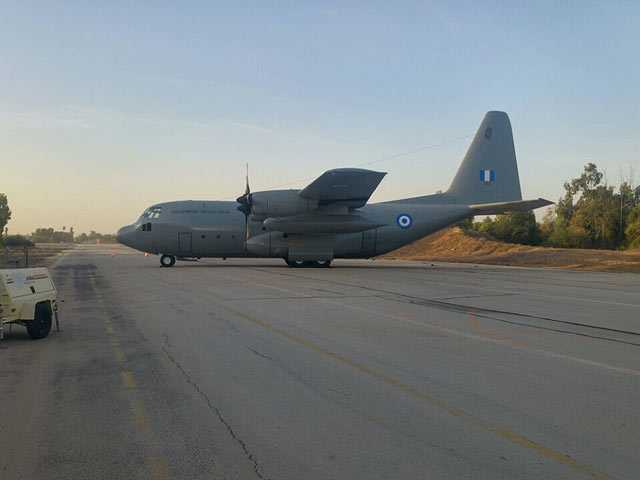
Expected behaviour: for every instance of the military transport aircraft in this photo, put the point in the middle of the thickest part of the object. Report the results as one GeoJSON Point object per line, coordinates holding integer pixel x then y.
{"type": "Point", "coordinates": [330, 218]}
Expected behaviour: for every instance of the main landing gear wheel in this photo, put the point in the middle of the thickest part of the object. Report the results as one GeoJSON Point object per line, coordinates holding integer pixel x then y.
{"type": "Point", "coordinates": [167, 260]}
{"type": "Point", "coordinates": [296, 263]}
{"type": "Point", "coordinates": [313, 263]}
{"type": "Point", "coordinates": [321, 263]}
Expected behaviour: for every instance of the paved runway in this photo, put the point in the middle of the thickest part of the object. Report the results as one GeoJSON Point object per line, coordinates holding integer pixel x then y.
{"type": "Point", "coordinates": [245, 369]}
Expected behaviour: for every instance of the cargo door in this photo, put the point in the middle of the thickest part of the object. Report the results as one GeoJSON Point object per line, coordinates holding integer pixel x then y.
{"type": "Point", "coordinates": [369, 238]}
{"type": "Point", "coordinates": [184, 243]}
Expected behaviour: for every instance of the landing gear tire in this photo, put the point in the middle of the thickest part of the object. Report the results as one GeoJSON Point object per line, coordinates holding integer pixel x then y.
{"type": "Point", "coordinates": [296, 263]}
{"type": "Point", "coordinates": [40, 326]}
{"type": "Point", "coordinates": [321, 263]}
{"type": "Point", "coordinates": [167, 261]}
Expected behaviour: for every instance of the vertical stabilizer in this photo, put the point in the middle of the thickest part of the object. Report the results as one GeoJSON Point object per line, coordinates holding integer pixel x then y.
{"type": "Point", "coordinates": [488, 173]}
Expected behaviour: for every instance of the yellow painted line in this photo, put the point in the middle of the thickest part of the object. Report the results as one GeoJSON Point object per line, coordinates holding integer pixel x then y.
{"type": "Point", "coordinates": [110, 329]}
{"type": "Point", "coordinates": [120, 356]}
{"type": "Point", "coordinates": [114, 341]}
{"type": "Point", "coordinates": [140, 411]}
{"type": "Point", "coordinates": [426, 398]}
{"type": "Point", "coordinates": [128, 380]}
{"type": "Point", "coordinates": [159, 468]}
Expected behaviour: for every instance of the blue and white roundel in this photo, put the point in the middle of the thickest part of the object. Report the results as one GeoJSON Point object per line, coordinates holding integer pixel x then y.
{"type": "Point", "coordinates": [404, 220]}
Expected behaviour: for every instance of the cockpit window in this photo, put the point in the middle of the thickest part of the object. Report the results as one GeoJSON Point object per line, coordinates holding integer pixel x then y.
{"type": "Point", "coordinates": [153, 212]}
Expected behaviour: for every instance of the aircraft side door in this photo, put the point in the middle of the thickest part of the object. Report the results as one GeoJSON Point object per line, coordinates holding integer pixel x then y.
{"type": "Point", "coordinates": [369, 238]}
{"type": "Point", "coordinates": [184, 243]}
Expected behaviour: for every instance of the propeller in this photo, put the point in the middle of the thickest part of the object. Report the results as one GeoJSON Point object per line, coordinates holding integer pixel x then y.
{"type": "Point", "coordinates": [246, 202]}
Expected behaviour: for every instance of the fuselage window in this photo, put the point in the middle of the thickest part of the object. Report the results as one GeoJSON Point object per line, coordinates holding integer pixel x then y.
{"type": "Point", "coordinates": [148, 227]}
{"type": "Point", "coordinates": [144, 227]}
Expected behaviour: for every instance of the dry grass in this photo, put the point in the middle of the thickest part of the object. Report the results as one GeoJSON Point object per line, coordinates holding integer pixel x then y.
{"type": "Point", "coordinates": [42, 255]}
{"type": "Point", "coordinates": [457, 245]}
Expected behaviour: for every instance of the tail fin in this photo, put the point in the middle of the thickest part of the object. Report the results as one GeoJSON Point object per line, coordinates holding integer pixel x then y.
{"type": "Point", "coordinates": [488, 173]}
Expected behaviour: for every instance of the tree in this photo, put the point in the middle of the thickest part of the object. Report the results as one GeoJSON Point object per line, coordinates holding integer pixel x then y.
{"type": "Point", "coordinates": [18, 241]}
{"type": "Point", "coordinates": [42, 235]}
{"type": "Point", "coordinates": [513, 227]}
{"type": "Point", "coordinates": [5, 213]}
{"type": "Point", "coordinates": [632, 232]}
{"type": "Point", "coordinates": [565, 234]}
{"type": "Point", "coordinates": [588, 181]}
{"type": "Point", "coordinates": [598, 218]}
{"type": "Point", "coordinates": [49, 235]}
{"type": "Point", "coordinates": [465, 224]}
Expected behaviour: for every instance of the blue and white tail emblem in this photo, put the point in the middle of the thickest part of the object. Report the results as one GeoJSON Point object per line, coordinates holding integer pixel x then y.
{"type": "Point", "coordinates": [404, 220]}
{"type": "Point", "coordinates": [487, 176]}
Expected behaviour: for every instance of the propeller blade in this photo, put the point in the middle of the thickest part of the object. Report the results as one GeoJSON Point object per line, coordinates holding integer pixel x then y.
{"type": "Point", "coordinates": [246, 202]}
{"type": "Point", "coordinates": [247, 189]}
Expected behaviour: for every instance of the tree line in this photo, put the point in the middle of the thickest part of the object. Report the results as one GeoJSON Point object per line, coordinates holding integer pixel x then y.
{"type": "Point", "coordinates": [49, 235]}
{"type": "Point", "coordinates": [44, 235]}
{"type": "Point", "coordinates": [590, 214]}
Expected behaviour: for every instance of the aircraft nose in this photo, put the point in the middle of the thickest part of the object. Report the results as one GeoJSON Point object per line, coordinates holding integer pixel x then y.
{"type": "Point", "coordinates": [124, 235]}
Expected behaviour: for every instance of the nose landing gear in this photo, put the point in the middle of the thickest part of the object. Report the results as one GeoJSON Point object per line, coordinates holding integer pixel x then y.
{"type": "Point", "coordinates": [167, 260]}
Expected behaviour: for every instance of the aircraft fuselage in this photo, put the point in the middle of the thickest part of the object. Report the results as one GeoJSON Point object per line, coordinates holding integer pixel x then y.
{"type": "Point", "coordinates": [216, 229]}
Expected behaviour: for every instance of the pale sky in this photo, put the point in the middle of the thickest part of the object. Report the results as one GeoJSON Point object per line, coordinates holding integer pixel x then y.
{"type": "Point", "coordinates": [109, 107]}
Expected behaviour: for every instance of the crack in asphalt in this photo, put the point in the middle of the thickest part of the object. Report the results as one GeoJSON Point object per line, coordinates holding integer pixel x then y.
{"type": "Point", "coordinates": [295, 297]}
{"type": "Point", "coordinates": [212, 407]}
{"type": "Point", "coordinates": [258, 353]}
{"type": "Point", "coordinates": [476, 296]}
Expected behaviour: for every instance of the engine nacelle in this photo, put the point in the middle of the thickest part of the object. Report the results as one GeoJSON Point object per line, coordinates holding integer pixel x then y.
{"type": "Point", "coordinates": [279, 203]}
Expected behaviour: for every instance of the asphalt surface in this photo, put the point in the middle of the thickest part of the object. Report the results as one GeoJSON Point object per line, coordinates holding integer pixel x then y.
{"type": "Point", "coordinates": [244, 369]}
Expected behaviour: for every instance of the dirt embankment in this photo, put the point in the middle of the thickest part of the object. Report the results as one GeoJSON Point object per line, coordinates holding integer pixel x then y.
{"type": "Point", "coordinates": [457, 245]}
{"type": "Point", "coordinates": [42, 255]}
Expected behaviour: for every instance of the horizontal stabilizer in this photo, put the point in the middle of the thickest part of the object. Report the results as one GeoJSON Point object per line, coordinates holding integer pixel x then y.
{"type": "Point", "coordinates": [502, 207]}
{"type": "Point", "coordinates": [350, 186]}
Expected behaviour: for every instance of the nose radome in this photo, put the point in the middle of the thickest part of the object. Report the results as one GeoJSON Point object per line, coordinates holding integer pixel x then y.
{"type": "Point", "coordinates": [123, 233]}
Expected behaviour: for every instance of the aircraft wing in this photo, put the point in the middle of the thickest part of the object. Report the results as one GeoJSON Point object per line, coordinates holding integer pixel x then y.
{"type": "Point", "coordinates": [350, 186]}
{"type": "Point", "coordinates": [516, 206]}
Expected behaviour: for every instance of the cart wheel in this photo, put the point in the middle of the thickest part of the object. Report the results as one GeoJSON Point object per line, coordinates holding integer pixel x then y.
{"type": "Point", "coordinates": [40, 326]}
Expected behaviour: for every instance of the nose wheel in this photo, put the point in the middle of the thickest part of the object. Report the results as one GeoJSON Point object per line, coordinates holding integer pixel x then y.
{"type": "Point", "coordinates": [167, 260]}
